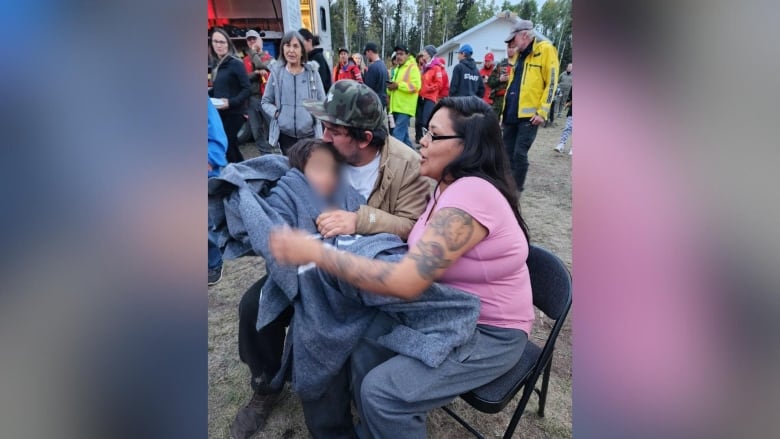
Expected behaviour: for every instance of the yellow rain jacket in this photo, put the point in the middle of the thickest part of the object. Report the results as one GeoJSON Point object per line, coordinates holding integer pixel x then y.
{"type": "Point", "coordinates": [539, 80]}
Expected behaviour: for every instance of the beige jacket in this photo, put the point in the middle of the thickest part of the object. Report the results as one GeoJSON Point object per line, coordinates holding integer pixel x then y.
{"type": "Point", "coordinates": [400, 193]}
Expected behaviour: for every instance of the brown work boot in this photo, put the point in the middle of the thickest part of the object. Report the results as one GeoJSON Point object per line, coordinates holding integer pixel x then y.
{"type": "Point", "coordinates": [251, 418]}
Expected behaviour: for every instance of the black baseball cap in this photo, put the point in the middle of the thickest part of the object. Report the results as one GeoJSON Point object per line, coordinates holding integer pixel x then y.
{"type": "Point", "coordinates": [401, 46]}
{"type": "Point", "coordinates": [372, 47]}
{"type": "Point", "coordinates": [341, 49]}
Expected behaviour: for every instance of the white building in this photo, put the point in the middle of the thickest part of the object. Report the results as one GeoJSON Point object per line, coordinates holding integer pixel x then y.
{"type": "Point", "coordinates": [485, 37]}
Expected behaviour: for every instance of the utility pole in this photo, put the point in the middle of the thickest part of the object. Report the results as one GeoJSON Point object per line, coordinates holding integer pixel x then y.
{"type": "Point", "coordinates": [384, 24]}
{"type": "Point", "coordinates": [444, 22]}
{"type": "Point", "coordinates": [422, 28]}
{"type": "Point", "coordinates": [346, 44]}
{"type": "Point", "coordinates": [560, 55]}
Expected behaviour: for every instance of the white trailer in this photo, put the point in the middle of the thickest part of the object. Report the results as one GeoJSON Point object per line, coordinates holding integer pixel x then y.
{"type": "Point", "coordinates": [274, 17]}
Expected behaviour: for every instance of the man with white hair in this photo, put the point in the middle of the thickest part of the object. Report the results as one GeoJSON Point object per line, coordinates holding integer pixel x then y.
{"type": "Point", "coordinates": [529, 95]}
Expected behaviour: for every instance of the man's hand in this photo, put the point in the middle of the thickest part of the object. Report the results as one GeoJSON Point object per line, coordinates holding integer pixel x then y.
{"type": "Point", "coordinates": [224, 105]}
{"type": "Point", "coordinates": [536, 120]}
{"type": "Point", "coordinates": [337, 222]}
{"type": "Point", "coordinates": [392, 86]}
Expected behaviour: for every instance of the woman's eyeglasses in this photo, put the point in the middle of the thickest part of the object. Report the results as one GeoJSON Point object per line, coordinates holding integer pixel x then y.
{"type": "Point", "coordinates": [426, 132]}
{"type": "Point", "coordinates": [218, 42]}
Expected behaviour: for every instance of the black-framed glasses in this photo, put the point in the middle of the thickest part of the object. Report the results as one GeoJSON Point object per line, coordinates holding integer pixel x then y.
{"type": "Point", "coordinates": [426, 132]}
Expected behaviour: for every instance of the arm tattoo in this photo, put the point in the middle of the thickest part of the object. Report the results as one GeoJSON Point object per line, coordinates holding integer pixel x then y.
{"type": "Point", "coordinates": [454, 225]}
{"type": "Point", "coordinates": [430, 259]}
{"type": "Point", "coordinates": [361, 272]}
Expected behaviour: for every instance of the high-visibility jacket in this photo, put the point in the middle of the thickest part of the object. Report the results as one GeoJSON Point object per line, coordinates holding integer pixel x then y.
{"type": "Point", "coordinates": [404, 98]}
{"type": "Point", "coordinates": [539, 80]}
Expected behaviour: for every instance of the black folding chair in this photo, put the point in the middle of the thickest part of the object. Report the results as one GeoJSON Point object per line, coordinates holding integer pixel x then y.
{"type": "Point", "coordinates": [551, 284]}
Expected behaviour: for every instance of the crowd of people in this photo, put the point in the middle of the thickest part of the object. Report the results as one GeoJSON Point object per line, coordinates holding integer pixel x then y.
{"type": "Point", "coordinates": [439, 212]}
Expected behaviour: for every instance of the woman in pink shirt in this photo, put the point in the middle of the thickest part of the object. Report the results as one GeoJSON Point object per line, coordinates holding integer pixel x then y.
{"type": "Point", "coordinates": [472, 237]}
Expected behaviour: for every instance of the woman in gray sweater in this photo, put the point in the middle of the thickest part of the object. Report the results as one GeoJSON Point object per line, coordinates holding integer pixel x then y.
{"type": "Point", "coordinates": [292, 81]}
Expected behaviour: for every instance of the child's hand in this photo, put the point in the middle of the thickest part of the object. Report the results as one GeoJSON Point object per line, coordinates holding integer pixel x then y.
{"type": "Point", "coordinates": [337, 222]}
{"type": "Point", "coordinates": [293, 247]}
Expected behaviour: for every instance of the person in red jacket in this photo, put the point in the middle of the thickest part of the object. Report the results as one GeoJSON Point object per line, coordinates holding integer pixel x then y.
{"type": "Point", "coordinates": [485, 72]}
{"type": "Point", "coordinates": [346, 68]}
{"type": "Point", "coordinates": [434, 79]}
{"type": "Point", "coordinates": [445, 87]}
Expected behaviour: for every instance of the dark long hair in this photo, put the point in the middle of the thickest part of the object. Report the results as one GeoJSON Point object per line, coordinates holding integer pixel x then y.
{"type": "Point", "coordinates": [483, 153]}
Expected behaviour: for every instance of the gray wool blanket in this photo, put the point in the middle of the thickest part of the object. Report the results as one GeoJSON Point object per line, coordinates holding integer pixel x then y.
{"type": "Point", "coordinates": [251, 198]}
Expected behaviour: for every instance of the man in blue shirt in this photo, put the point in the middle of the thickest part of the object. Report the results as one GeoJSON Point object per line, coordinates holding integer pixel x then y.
{"type": "Point", "coordinates": [376, 75]}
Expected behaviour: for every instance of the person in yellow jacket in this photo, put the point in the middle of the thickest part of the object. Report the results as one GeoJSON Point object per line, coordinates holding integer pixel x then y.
{"type": "Point", "coordinates": [402, 90]}
{"type": "Point", "coordinates": [529, 95]}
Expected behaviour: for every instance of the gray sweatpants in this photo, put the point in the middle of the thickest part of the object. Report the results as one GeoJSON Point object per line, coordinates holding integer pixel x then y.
{"type": "Point", "coordinates": [393, 393]}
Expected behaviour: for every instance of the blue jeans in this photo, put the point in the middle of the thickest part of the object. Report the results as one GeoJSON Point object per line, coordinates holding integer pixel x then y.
{"type": "Point", "coordinates": [401, 130]}
{"type": "Point", "coordinates": [518, 138]}
{"type": "Point", "coordinates": [215, 256]}
{"type": "Point", "coordinates": [424, 110]}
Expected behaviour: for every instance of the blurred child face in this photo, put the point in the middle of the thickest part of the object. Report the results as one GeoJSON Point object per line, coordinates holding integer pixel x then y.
{"type": "Point", "coordinates": [322, 171]}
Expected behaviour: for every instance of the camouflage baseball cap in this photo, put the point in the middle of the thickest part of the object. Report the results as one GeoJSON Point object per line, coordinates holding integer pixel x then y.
{"type": "Point", "coordinates": [349, 103]}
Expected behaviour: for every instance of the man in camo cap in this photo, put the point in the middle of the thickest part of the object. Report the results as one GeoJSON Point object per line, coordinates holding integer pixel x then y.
{"type": "Point", "coordinates": [387, 173]}
{"type": "Point", "coordinates": [379, 166]}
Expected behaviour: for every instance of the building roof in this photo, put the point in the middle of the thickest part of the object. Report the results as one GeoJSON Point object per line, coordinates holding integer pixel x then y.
{"type": "Point", "coordinates": [455, 42]}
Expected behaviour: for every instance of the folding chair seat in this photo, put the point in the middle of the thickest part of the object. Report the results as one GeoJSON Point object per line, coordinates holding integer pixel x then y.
{"type": "Point", "coordinates": [551, 286]}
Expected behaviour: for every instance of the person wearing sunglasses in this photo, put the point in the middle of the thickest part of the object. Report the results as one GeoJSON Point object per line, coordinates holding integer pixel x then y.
{"type": "Point", "coordinates": [471, 237]}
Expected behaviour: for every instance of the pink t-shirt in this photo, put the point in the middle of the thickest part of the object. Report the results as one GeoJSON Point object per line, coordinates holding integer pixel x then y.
{"type": "Point", "coordinates": [493, 270]}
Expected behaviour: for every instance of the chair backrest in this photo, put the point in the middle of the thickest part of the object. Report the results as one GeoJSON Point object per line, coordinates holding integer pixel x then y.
{"type": "Point", "coordinates": [550, 282]}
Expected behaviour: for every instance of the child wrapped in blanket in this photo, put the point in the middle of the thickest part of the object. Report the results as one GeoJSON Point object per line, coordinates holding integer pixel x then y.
{"type": "Point", "coordinates": [319, 162]}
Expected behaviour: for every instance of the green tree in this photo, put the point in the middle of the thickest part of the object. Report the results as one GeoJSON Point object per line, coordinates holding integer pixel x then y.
{"type": "Point", "coordinates": [528, 9]}
{"type": "Point", "coordinates": [549, 18]}
{"type": "Point", "coordinates": [396, 34]}
{"type": "Point", "coordinates": [375, 19]}
{"type": "Point", "coordinates": [462, 16]}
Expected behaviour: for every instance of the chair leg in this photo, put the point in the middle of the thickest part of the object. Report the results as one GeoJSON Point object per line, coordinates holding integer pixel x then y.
{"type": "Point", "coordinates": [527, 391]}
{"type": "Point", "coordinates": [545, 382]}
{"type": "Point", "coordinates": [462, 422]}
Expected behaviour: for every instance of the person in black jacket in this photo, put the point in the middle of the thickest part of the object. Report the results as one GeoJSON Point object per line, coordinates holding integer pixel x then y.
{"type": "Point", "coordinates": [309, 41]}
{"type": "Point", "coordinates": [466, 80]}
{"type": "Point", "coordinates": [376, 75]}
{"type": "Point", "coordinates": [231, 85]}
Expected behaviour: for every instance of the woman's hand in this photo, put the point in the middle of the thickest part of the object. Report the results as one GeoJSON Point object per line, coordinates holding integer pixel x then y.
{"type": "Point", "coordinates": [294, 247]}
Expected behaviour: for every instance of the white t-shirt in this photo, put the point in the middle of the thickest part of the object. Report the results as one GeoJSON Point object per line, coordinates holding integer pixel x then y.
{"type": "Point", "coordinates": [362, 178]}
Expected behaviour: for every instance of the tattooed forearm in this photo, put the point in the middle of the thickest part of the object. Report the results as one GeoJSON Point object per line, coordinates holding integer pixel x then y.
{"type": "Point", "coordinates": [430, 259]}
{"type": "Point", "coordinates": [363, 273]}
{"type": "Point", "coordinates": [454, 225]}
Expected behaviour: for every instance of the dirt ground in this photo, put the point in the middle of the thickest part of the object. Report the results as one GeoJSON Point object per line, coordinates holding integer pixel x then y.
{"type": "Point", "coordinates": [546, 207]}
